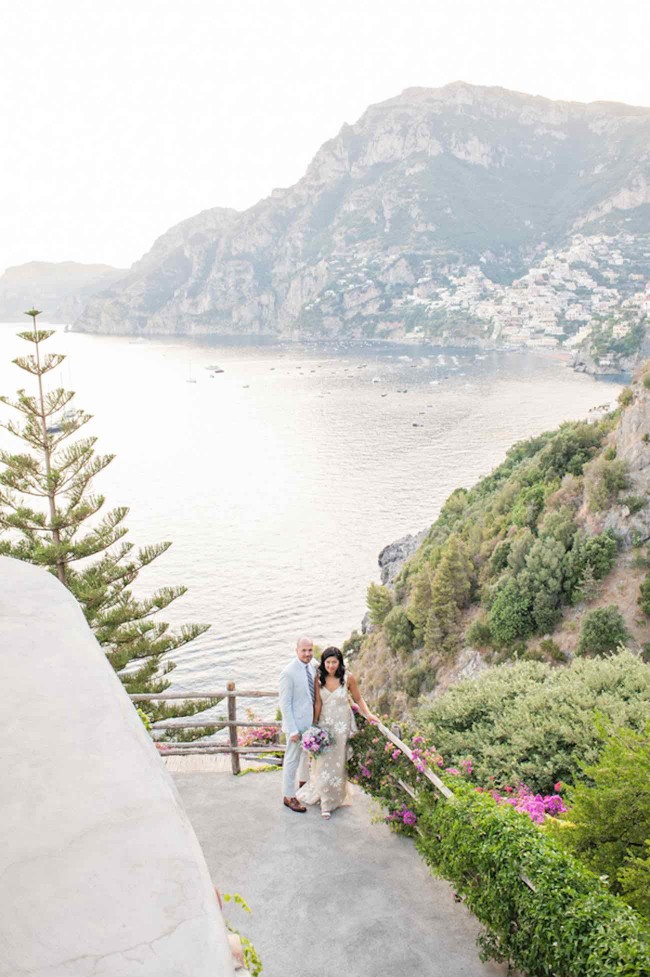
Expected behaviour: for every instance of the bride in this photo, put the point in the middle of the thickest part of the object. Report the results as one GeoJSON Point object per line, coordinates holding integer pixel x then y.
{"type": "Point", "coordinates": [328, 781]}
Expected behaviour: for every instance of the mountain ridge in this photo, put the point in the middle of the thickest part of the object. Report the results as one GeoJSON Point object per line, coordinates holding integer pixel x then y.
{"type": "Point", "coordinates": [413, 223]}
{"type": "Point", "coordinates": [60, 288]}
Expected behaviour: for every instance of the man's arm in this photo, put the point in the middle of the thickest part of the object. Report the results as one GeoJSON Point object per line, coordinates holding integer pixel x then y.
{"type": "Point", "coordinates": [286, 705]}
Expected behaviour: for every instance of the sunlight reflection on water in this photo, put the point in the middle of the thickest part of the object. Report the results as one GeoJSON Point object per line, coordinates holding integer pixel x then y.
{"type": "Point", "coordinates": [280, 479]}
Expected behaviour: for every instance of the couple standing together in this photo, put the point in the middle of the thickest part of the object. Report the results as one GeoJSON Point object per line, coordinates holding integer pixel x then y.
{"type": "Point", "coordinates": [317, 695]}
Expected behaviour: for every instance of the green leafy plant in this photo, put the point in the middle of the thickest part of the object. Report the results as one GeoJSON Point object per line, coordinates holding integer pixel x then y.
{"type": "Point", "coordinates": [145, 719]}
{"type": "Point", "coordinates": [608, 825]}
{"type": "Point", "coordinates": [479, 634]}
{"type": "Point", "coordinates": [398, 630]}
{"type": "Point", "coordinates": [533, 723]}
{"type": "Point", "coordinates": [607, 477]}
{"type": "Point", "coordinates": [380, 602]}
{"type": "Point", "coordinates": [252, 959]}
{"type": "Point", "coordinates": [635, 503]}
{"type": "Point", "coordinates": [644, 595]}
{"type": "Point", "coordinates": [626, 397]}
{"type": "Point", "coordinates": [603, 630]}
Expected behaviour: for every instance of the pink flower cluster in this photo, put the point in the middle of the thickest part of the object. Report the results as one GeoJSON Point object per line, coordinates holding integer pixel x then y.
{"type": "Point", "coordinates": [405, 815]}
{"type": "Point", "coordinates": [422, 758]}
{"type": "Point", "coordinates": [536, 806]}
{"type": "Point", "coordinates": [316, 740]}
{"type": "Point", "coordinates": [258, 736]}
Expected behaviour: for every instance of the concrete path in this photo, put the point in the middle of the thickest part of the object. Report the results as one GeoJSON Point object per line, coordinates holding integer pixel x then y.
{"type": "Point", "coordinates": [344, 898]}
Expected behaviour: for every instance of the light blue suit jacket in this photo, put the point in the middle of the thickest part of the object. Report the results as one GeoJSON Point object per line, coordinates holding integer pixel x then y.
{"type": "Point", "coordinates": [295, 697]}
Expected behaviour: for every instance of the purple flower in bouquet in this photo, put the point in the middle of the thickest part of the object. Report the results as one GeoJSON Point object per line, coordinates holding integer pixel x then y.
{"type": "Point", "coordinates": [316, 740]}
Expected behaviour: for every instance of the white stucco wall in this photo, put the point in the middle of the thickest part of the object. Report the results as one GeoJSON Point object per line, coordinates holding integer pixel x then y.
{"type": "Point", "coordinates": [100, 871]}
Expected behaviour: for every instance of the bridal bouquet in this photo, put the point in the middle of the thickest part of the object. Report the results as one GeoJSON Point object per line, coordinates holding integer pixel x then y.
{"type": "Point", "coordinates": [316, 740]}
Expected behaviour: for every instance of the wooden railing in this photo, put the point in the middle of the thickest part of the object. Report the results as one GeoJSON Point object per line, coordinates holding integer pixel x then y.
{"type": "Point", "coordinates": [232, 724]}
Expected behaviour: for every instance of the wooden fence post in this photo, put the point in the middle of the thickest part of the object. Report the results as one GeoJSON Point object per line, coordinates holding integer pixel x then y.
{"type": "Point", "coordinates": [232, 730]}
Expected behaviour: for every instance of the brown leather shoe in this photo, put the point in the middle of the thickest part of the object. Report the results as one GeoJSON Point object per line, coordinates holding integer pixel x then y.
{"type": "Point", "coordinates": [294, 805]}
{"type": "Point", "coordinates": [301, 783]}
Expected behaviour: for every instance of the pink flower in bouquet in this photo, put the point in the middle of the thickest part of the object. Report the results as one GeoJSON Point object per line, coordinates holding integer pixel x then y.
{"type": "Point", "coordinates": [316, 740]}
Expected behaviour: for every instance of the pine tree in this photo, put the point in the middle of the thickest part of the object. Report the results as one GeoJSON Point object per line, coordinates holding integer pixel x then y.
{"type": "Point", "coordinates": [49, 516]}
{"type": "Point", "coordinates": [450, 591]}
{"type": "Point", "coordinates": [379, 602]}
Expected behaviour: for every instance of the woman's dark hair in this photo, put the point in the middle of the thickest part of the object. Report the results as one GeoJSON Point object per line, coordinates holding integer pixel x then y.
{"type": "Point", "coordinates": [340, 671]}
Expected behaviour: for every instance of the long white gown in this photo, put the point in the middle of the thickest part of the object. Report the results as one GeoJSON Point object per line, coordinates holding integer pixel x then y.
{"type": "Point", "coordinates": [328, 781]}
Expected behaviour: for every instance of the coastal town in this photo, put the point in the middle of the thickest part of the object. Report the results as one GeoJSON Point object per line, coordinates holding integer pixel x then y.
{"type": "Point", "coordinates": [561, 301]}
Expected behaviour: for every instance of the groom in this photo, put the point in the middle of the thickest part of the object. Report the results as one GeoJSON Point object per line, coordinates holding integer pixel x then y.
{"type": "Point", "coordinates": [297, 683]}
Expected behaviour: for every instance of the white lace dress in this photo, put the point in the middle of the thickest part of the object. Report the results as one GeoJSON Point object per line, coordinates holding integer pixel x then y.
{"type": "Point", "coordinates": [328, 781]}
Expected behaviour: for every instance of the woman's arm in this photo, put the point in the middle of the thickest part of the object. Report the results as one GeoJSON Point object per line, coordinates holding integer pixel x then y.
{"type": "Point", "coordinates": [318, 702]}
{"type": "Point", "coordinates": [358, 698]}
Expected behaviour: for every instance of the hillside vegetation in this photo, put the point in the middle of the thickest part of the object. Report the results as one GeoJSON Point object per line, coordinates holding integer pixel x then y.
{"type": "Point", "coordinates": [543, 559]}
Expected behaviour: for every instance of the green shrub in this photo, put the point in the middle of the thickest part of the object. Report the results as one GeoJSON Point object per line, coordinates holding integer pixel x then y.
{"type": "Point", "coordinates": [352, 645]}
{"type": "Point", "coordinates": [646, 381]}
{"type": "Point", "coordinates": [528, 506]}
{"type": "Point", "coordinates": [644, 595]}
{"type": "Point", "coordinates": [603, 630]}
{"type": "Point", "coordinates": [478, 633]}
{"type": "Point", "coordinates": [595, 552]}
{"type": "Point", "coordinates": [608, 823]}
{"type": "Point", "coordinates": [607, 478]}
{"type": "Point", "coordinates": [416, 680]}
{"type": "Point", "coordinates": [569, 449]}
{"type": "Point", "coordinates": [533, 723]}
{"type": "Point", "coordinates": [635, 503]}
{"type": "Point", "coordinates": [635, 882]}
{"type": "Point", "coordinates": [626, 397]}
{"type": "Point", "coordinates": [510, 614]}
{"type": "Point", "coordinates": [379, 602]}
{"type": "Point", "coordinates": [499, 558]}
{"type": "Point", "coordinates": [568, 925]}
{"type": "Point", "coordinates": [398, 630]}
{"type": "Point", "coordinates": [551, 649]}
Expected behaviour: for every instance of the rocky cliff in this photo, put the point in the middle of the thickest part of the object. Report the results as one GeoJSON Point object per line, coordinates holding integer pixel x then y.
{"type": "Point", "coordinates": [464, 213]}
{"type": "Point", "coordinates": [60, 289]}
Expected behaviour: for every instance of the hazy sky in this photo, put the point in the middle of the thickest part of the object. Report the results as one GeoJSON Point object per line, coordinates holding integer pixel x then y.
{"type": "Point", "coordinates": [122, 118]}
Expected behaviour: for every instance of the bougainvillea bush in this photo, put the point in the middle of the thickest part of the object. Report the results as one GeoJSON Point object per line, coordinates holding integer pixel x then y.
{"type": "Point", "coordinates": [544, 912]}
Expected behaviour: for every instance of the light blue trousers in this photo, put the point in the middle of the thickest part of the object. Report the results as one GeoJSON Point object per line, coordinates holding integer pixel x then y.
{"type": "Point", "coordinates": [294, 768]}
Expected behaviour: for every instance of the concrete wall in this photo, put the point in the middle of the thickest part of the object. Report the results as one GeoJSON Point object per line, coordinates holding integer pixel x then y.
{"type": "Point", "coordinates": [101, 873]}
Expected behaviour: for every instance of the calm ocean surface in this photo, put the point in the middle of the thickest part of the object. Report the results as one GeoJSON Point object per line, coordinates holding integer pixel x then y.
{"type": "Point", "coordinates": [280, 479]}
